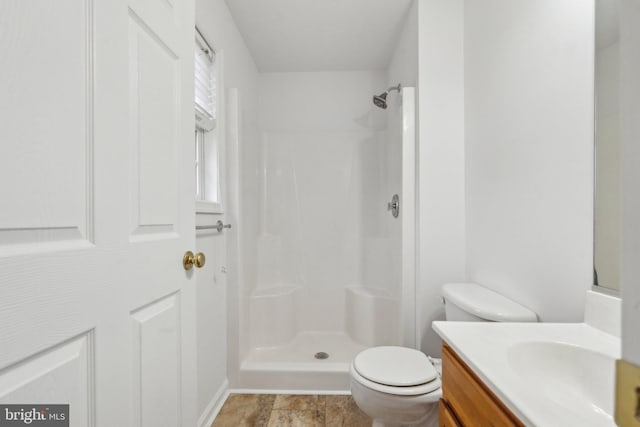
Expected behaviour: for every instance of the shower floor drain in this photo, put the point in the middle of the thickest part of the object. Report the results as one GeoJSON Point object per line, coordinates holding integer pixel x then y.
{"type": "Point", "coordinates": [321, 355]}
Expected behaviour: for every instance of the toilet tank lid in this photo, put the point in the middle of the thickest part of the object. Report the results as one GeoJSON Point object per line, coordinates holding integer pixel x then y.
{"type": "Point", "coordinates": [485, 303]}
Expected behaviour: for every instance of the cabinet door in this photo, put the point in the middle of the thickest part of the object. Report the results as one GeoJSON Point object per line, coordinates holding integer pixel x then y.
{"type": "Point", "coordinates": [446, 417]}
{"type": "Point", "coordinates": [471, 401]}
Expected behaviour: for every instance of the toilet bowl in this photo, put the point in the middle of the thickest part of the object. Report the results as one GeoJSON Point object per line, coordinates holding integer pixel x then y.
{"type": "Point", "coordinates": [400, 386]}
{"type": "Point", "coordinates": [396, 386]}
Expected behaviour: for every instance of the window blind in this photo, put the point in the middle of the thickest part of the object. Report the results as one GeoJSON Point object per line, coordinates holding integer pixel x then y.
{"type": "Point", "coordinates": [205, 84]}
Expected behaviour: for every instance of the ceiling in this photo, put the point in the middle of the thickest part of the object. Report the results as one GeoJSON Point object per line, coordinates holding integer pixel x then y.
{"type": "Point", "coordinates": [320, 35]}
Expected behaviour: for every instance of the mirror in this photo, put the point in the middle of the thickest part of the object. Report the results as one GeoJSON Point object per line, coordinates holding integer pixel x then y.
{"type": "Point", "coordinates": [607, 147]}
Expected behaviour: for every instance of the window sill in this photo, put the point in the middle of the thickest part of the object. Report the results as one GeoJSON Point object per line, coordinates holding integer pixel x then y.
{"type": "Point", "coordinates": [202, 206]}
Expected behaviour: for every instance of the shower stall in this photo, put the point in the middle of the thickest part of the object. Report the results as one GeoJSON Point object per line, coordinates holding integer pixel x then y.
{"type": "Point", "coordinates": [326, 228]}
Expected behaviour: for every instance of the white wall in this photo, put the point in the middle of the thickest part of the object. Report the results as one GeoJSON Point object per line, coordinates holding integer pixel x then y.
{"type": "Point", "coordinates": [211, 325]}
{"type": "Point", "coordinates": [529, 151]}
{"type": "Point", "coordinates": [215, 22]}
{"type": "Point", "coordinates": [630, 135]}
{"type": "Point", "coordinates": [403, 67]}
{"type": "Point", "coordinates": [321, 101]}
{"type": "Point", "coordinates": [441, 221]}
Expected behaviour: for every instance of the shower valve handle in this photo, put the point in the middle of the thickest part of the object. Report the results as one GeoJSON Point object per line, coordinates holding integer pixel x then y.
{"type": "Point", "coordinates": [394, 206]}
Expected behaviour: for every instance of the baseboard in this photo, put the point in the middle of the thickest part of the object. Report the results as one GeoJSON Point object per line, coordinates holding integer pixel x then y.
{"type": "Point", "coordinates": [210, 413]}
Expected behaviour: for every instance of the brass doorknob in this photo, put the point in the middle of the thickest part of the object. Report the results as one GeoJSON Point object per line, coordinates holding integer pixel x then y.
{"type": "Point", "coordinates": [200, 260]}
{"type": "Point", "coordinates": [189, 260]}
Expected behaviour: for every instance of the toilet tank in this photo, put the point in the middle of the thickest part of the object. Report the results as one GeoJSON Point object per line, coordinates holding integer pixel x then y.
{"type": "Point", "coordinates": [471, 302]}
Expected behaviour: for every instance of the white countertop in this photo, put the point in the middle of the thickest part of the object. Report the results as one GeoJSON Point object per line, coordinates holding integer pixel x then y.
{"type": "Point", "coordinates": [488, 348]}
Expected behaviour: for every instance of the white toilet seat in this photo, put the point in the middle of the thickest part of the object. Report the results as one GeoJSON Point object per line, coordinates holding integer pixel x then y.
{"type": "Point", "coordinates": [423, 389]}
{"type": "Point", "coordinates": [395, 366]}
{"type": "Point", "coordinates": [397, 371]}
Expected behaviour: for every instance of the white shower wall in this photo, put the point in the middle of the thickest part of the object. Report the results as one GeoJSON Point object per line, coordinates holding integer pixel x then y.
{"type": "Point", "coordinates": [327, 170]}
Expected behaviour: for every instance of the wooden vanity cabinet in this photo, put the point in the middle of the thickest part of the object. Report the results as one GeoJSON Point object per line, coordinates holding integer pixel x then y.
{"type": "Point", "coordinates": [466, 401]}
{"type": "Point", "coordinates": [446, 416]}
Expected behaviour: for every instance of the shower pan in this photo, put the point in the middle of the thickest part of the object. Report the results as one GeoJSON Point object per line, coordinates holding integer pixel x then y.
{"type": "Point", "coordinates": [329, 271]}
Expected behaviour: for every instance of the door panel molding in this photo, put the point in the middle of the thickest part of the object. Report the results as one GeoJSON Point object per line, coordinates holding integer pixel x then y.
{"type": "Point", "coordinates": [155, 126]}
{"type": "Point", "coordinates": [32, 219]}
{"type": "Point", "coordinates": [156, 362]}
{"type": "Point", "coordinates": [63, 373]}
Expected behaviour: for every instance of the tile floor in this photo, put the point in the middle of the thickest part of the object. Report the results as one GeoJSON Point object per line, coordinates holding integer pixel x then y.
{"type": "Point", "coordinates": [285, 410]}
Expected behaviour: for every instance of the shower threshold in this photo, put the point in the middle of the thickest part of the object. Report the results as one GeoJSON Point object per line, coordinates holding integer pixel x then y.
{"type": "Point", "coordinates": [296, 365]}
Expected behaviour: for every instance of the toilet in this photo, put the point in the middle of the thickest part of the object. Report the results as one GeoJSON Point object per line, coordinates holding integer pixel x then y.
{"type": "Point", "coordinates": [400, 386]}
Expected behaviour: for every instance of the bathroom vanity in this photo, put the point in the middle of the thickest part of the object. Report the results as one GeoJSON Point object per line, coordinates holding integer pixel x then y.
{"type": "Point", "coordinates": [527, 374]}
{"type": "Point", "coordinates": [466, 400]}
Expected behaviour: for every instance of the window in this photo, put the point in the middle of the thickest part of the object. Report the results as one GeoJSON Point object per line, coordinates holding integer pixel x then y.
{"type": "Point", "coordinates": [206, 111]}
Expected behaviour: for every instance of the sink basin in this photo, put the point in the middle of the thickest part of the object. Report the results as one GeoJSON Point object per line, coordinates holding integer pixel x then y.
{"type": "Point", "coordinates": [547, 374]}
{"type": "Point", "coordinates": [574, 377]}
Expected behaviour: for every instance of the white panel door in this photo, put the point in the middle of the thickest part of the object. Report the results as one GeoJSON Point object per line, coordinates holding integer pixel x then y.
{"type": "Point", "coordinates": [97, 210]}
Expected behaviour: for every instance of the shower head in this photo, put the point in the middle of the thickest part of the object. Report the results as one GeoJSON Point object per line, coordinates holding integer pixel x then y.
{"type": "Point", "coordinates": [381, 100]}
